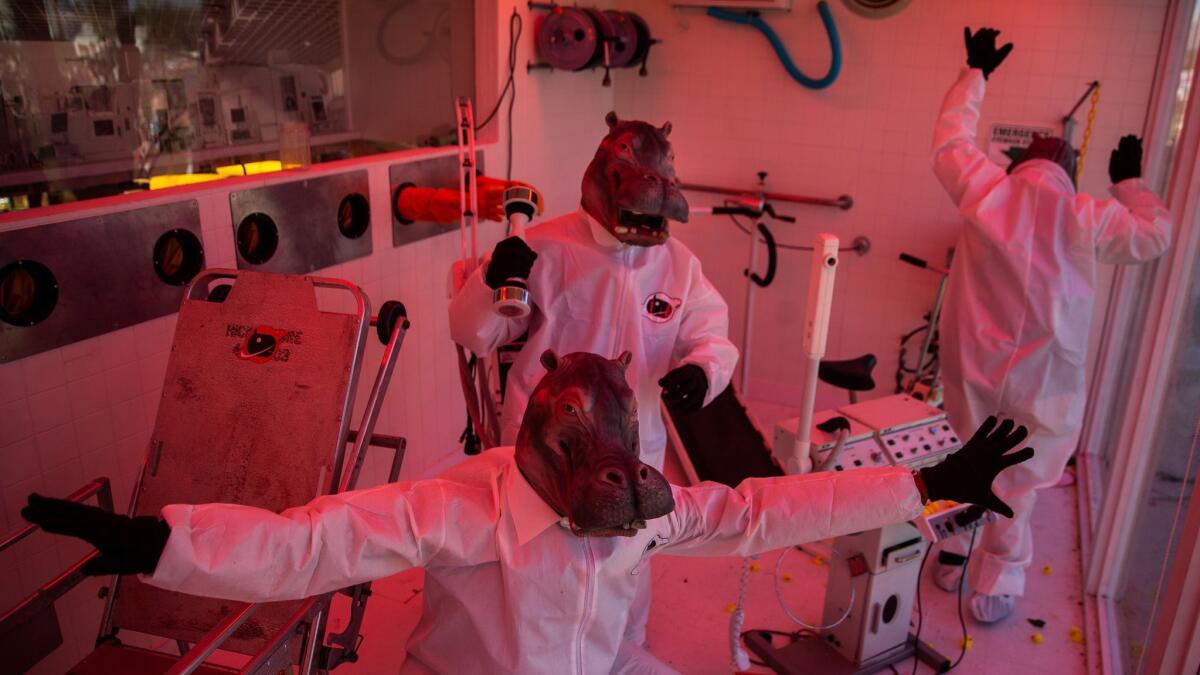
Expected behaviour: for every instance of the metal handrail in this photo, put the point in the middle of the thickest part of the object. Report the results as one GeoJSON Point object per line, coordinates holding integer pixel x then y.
{"type": "Point", "coordinates": [844, 202]}
{"type": "Point", "coordinates": [279, 640]}
{"type": "Point", "coordinates": [189, 662]}
{"type": "Point", "coordinates": [98, 486]}
{"type": "Point", "coordinates": [49, 592]}
{"type": "Point", "coordinates": [366, 429]}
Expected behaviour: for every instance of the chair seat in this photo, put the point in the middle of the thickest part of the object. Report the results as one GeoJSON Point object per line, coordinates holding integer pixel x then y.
{"type": "Point", "coordinates": [109, 658]}
{"type": "Point", "coordinates": [851, 374]}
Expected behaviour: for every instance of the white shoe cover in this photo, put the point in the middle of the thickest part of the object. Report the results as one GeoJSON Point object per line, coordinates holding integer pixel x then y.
{"type": "Point", "coordinates": [946, 577]}
{"type": "Point", "coordinates": [992, 608]}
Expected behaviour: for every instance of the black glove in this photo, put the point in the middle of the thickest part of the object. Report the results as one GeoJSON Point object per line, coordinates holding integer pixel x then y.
{"type": "Point", "coordinates": [1126, 159]}
{"type": "Point", "coordinates": [684, 388]}
{"type": "Point", "coordinates": [127, 545]}
{"type": "Point", "coordinates": [511, 259]}
{"type": "Point", "coordinates": [966, 476]}
{"type": "Point", "coordinates": [982, 52]}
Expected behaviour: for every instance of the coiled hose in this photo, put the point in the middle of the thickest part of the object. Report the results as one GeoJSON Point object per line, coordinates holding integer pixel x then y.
{"type": "Point", "coordinates": [835, 44]}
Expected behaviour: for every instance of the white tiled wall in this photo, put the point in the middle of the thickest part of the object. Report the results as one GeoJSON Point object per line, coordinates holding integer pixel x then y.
{"type": "Point", "coordinates": [558, 119]}
{"type": "Point", "coordinates": [735, 112]}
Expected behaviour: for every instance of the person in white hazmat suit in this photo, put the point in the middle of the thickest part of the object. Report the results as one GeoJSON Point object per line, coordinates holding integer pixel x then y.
{"type": "Point", "coordinates": [532, 553]}
{"type": "Point", "coordinates": [609, 278]}
{"type": "Point", "coordinates": [1018, 307]}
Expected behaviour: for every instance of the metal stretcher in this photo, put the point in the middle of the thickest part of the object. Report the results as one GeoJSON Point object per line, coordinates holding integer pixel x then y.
{"type": "Point", "coordinates": [255, 410]}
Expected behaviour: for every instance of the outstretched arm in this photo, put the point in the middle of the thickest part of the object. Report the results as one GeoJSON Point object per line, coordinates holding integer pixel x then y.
{"type": "Point", "coordinates": [763, 514]}
{"type": "Point", "coordinates": [254, 555]}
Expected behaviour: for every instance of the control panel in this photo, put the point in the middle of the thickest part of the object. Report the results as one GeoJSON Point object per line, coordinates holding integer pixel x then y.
{"type": "Point", "coordinates": [944, 519]}
{"type": "Point", "coordinates": [859, 449]}
{"type": "Point", "coordinates": [911, 432]}
{"type": "Point", "coordinates": [889, 431]}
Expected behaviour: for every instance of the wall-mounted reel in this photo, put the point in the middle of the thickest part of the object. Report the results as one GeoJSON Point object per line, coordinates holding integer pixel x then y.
{"type": "Point", "coordinates": [584, 38]}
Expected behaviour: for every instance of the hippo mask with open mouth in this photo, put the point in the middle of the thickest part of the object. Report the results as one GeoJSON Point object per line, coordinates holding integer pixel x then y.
{"type": "Point", "coordinates": [630, 186]}
{"type": "Point", "coordinates": [578, 447]}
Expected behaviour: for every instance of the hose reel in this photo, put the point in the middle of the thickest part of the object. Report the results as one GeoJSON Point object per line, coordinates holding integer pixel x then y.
{"type": "Point", "coordinates": [583, 38]}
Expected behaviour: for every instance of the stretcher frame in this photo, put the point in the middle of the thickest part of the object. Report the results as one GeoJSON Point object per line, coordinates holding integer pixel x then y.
{"type": "Point", "coordinates": [301, 639]}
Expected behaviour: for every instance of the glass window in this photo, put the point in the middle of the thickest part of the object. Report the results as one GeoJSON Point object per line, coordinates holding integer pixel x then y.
{"type": "Point", "coordinates": [1139, 276]}
{"type": "Point", "coordinates": [1175, 462]}
{"type": "Point", "coordinates": [1187, 78]}
{"type": "Point", "coordinates": [1171, 482]}
{"type": "Point", "coordinates": [100, 97]}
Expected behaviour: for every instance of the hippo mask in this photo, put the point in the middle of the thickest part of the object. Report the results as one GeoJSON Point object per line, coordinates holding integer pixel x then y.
{"type": "Point", "coordinates": [630, 186]}
{"type": "Point", "coordinates": [578, 448]}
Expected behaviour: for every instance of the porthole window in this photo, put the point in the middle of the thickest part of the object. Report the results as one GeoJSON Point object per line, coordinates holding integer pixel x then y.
{"type": "Point", "coordinates": [178, 257]}
{"type": "Point", "coordinates": [353, 216]}
{"type": "Point", "coordinates": [396, 203]}
{"type": "Point", "coordinates": [28, 293]}
{"type": "Point", "coordinates": [257, 238]}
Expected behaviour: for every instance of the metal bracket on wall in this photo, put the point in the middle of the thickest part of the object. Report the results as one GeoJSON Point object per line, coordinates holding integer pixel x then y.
{"type": "Point", "coordinates": [95, 275]}
{"type": "Point", "coordinates": [304, 225]}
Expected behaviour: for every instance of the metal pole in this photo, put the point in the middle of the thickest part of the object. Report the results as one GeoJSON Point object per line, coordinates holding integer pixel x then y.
{"type": "Point", "coordinates": [203, 649]}
{"type": "Point", "coordinates": [934, 314]}
{"type": "Point", "coordinates": [316, 634]}
{"type": "Point", "coordinates": [374, 402]}
{"type": "Point", "coordinates": [748, 327]}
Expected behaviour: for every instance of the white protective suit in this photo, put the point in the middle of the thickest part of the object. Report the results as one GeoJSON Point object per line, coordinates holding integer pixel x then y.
{"type": "Point", "coordinates": [1018, 308]}
{"type": "Point", "coordinates": [507, 589]}
{"type": "Point", "coordinates": [591, 294]}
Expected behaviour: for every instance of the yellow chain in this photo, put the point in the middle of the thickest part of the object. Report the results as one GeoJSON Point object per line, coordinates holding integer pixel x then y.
{"type": "Point", "coordinates": [1087, 133]}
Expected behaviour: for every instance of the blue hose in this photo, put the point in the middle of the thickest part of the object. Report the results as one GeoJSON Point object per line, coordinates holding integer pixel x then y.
{"type": "Point", "coordinates": [835, 45]}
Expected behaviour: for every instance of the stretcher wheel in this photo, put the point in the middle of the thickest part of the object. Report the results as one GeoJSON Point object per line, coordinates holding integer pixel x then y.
{"type": "Point", "coordinates": [391, 312]}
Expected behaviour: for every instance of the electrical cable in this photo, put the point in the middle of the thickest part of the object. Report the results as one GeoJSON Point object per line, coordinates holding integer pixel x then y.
{"type": "Point", "coordinates": [787, 610]}
{"type": "Point", "coordinates": [921, 614]}
{"type": "Point", "coordinates": [515, 27]}
{"type": "Point", "coordinates": [920, 608]}
{"type": "Point", "coordinates": [739, 658]}
{"type": "Point", "coordinates": [962, 623]}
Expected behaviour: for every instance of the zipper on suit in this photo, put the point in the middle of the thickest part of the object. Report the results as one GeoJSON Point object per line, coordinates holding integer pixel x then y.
{"type": "Point", "coordinates": [588, 598]}
{"type": "Point", "coordinates": [620, 328]}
